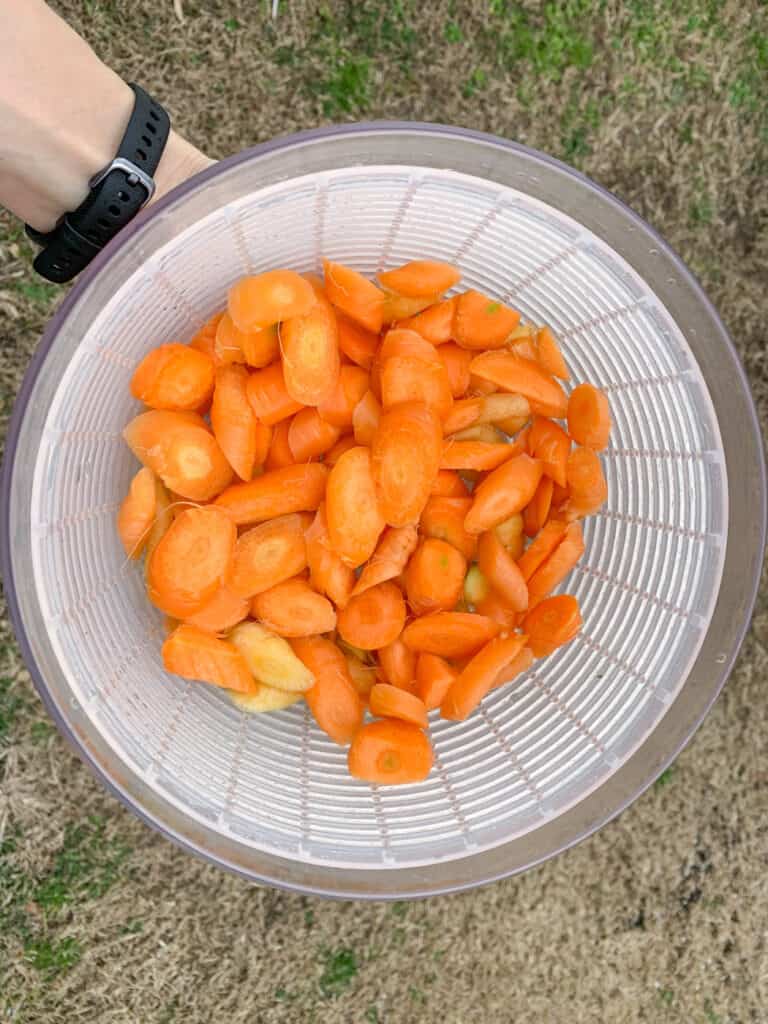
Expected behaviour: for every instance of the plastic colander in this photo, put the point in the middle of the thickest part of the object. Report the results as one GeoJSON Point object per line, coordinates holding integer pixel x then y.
{"type": "Point", "coordinates": [666, 585]}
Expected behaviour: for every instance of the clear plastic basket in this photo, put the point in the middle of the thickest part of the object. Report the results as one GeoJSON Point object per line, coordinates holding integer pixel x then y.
{"type": "Point", "coordinates": [543, 762]}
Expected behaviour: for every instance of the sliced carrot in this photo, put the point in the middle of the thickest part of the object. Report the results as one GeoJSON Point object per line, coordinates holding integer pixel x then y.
{"type": "Point", "coordinates": [449, 634]}
{"type": "Point", "coordinates": [496, 608]}
{"type": "Point", "coordinates": [519, 664]}
{"type": "Point", "coordinates": [390, 558]}
{"type": "Point", "coordinates": [309, 435]}
{"type": "Point", "coordinates": [345, 442]}
{"type": "Point", "coordinates": [474, 454]}
{"type": "Point", "coordinates": [476, 586]}
{"type": "Point", "coordinates": [478, 677]}
{"type": "Point", "coordinates": [191, 561]}
{"type": "Point", "coordinates": [465, 413]}
{"type": "Point", "coordinates": [420, 277]}
{"type": "Point", "coordinates": [357, 343]}
{"type": "Point", "coordinates": [269, 396]}
{"type": "Point", "coordinates": [363, 676]}
{"type": "Point", "coordinates": [398, 663]}
{"type": "Point", "coordinates": [221, 613]}
{"type": "Point", "coordinates": [501, 571]}
{"type": "Point", "coordinates": [333, 700]}
{"type": "Point", "coordinates": [365, 418]}
{"type": "Point", "coordinates": [279, 454]}
{"type": "Point", "coordinates": [174, 377]}
{"type": "Point", "coordinates": [242, 438]}
{"type": "Point", "coordinates": [268, 554]}
{"type": "Point", "coordinates": [525, 345]}
{"type": "Point", "coordinates": [338, 408]}
{"type": "Point", "coordinates": [549, 443]}
{"type": "Point", "coordinates": [374, 618]}
{"type": "Point", "coordinates": [549, 355]}
{"type": "Point", "coordinates": [392, 702]}
{"type": "Point", "coordinates": [509, 412]}
{"type": "Point", "coordinates": [194, 654]}
{"type": "Point", "coordinates": [405, 458]}
{"type": "Point", "coordinates": [554, 570]}
{"type": "Point", "coordinates": [263, 300]}
{"type": "Point", "coordinates": [537, 510]}
{"type": "Point", "coordinates": [355, 519]}
{"type": "Point", "coordinates": [589, 417]}
{"type": "Point", "coordinates": [204, 340]}
{"type": "Point", "coordinates": [449, 484]}
{"type": "Point", "coordinates": [456, 362]}
{"type": "Point", "coordinates": [328, 574]}
{"type": "Point", "coordinates": [433, 678]}
{"type": "Point", "coordinates": [163, 518]}
{"type": "Point", "coordinates": [522, 377]}
{"type": "Point", "coordinates": [586, 482]}
{"type": "Point", "coordinates": [483, 432]}
{"type": "Point", "coordinates": [480, 322]}
{"type": "Point", "coordinates": [354, 295]}
{"type": "Point", "coordinates": [552, 623]}
{"type": "Point", "coordinates": [478, 386]}
{"type": "Point", "coordinates": [292, 608]}
{"type": "Point", "coordinates": [260, 348]}
{"type": "Point", "coordinates": [505, 491]}
{"type": "Point", "coordinates": [137, 513]}
{"type": "Point", "coordinates": [310, 348]}
{"type": "Point", "coordinates": [435, 324]}
{"type": "Point", "coordinates": [444, 517]}
{"type": "Point", "coordinates": [226, 346]}
{"type": "Point", "coordinates": [276, 493]}
{"type": "Point", "coordinates": [390, 752]}
{"type": "Point", "coordinates": [409, 378]}
{"type": "Point", "coordinates": [181, 450]}
{"type": "Point", "coordinates": [541, 548]}
{"type": "Point", "coordinates": [509, 531]}
{"type": "Point", "coordinates": [401, 307]}
{"type": "Point", "coordinates": [434, 578]}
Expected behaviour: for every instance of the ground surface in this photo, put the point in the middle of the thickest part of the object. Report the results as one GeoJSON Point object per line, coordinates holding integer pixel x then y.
{"type": "Point", "coordinates": [662, 916]}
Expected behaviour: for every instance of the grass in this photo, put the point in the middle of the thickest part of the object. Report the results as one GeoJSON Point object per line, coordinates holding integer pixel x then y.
{"type": "Point", "coordinates": [339, 970]}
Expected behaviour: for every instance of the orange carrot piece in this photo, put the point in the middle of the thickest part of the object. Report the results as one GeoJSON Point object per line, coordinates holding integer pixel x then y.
{"type": "Point", "coordinates": [496, 608]}
{"type": "Point", "coordinates": [449, 634]}
{"type": "Point", "coordinates": [390, 558]}
{"type": "Point", "coordinates": [420, 277]}
{"type": "Point", "coordinates": [333, 699]}
{"type": "Point", "coordinates": [586, 482]}
{"type": "Point", "coordinates": [433, 678]}
{"type": "Point", "coordinates": [242, 438]}
{"type": "Point", "coordinates": [409, 378]}
{"type": "Point", "coordinates": [435, 324]}
{"type": "Point", "coordinates": [449, 484]}
{"type": "Point", "coordinates": [309, 435]}
{"type": "Point", "coordinates": [269, 396]}
{"type": "Point", "coordinates": [456, 362]}
{"type": "Point", "coordinates": [194, 654]}
{"type": "Point", "coordinates": [505, 491]}
{"type": "Point", "coordinates": [405, 458]}
{"type": "Point", "coordinates": [398, 663]}
{"type": "Point", "coordinates": [260, 348]}
{"type": "Point", "coordinates": [391, 702]}
{"type": "Point", "coordinates": [365, 418]}
{"type": "Point", "coordinates": [465, 413]}
{"type": "Point", "coordinates": [356, 343]}
{"type": "Point", "coordinates": [204, 340]}
{"type": "Point", "coordinates": [339, 407]}
{"type": "Point", "coordinates": [589, 417]}
{"type": "Point", "coordinates": [279, 454]}
{"type": "Point", "coordinates": [536, 512]}
{"type": "Point", "coordinates": [478, 455]}
{"type": "Point", "coordinates": [260, 301]}
{"type": "Point", "coordinates": [354, 295]}
{"type": "Point", "coordinates": [541, 548]}
{"type": "Point", "coordinates": [477, 678]}
{"type": "Point", "coordinates": [221, 613]}
{"type": "Point", "coordinates": [519, 664]}
{"type": "Point", "coordinates": [390, 752]}
{"type": "Point", "coordinates": [363, 676]}
{"type": "Point", "coordinates": [226, 344]}
{"type": "Point", "coordinates": [522, 377]}
{"type": "Point", "coordinates": [174, 377]}
{"type": "Point", "coordinates": [480, 322]}
{"type": "Point", "coordinates": [137, 513]}
{"type": "Point", "coordinates": [292, 608]}
{"type": "Point", "coordinates": [549, 355]}
{"type": "Point", "coordinates": [554, 570]}
{"type": "Point", "coordinates": [434, 578]}
{"type": "Point", "coordinates": [276, 493]}
{"type": "Point", "coordinates": [191, 561]}
{"type": "Point", "coordinates": [402, 307]}
{"type": "Point", "coordinates": [345, 442]}
{"type": "Point", "coordinates": [552, 623]}
{"type": "Point", "coordinates": [510, 530]}
{"type": "Point", "coordinates": [549, 443]}
{"type": "Point", "coordinates": [310, 348]}
{"type": "Point", "coordinates": [443, 518]}
{"type": "Point", "coordinates": [501, 571]}
{"type": "Point", "coordinates": [164, 516]}
{"type": "Point", "coordinates": [267, 554]}
{"type": "Point", "coordinates": [181, 450]}
{"type": "Point", "coordinates": [374, 618]}
{"type": "Point", "coordinates": [354, 517]}
{"type": "Point", "coordinates": [328, 574]}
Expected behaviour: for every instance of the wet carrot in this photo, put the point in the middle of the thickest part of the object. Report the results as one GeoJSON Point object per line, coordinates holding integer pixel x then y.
{"type": "Point", "coordinates": [541, 548]}
{"type": "Point", "coordinates": [226, 345]}
{"type": "Point", "coordinates": [137, 513]}
{"type": "Point", "coordinates": [433, 678]}
{"type": "Point", "coordinates": [554, 570]}
{"type": "Point", "coordinates": [392, 702]}
{"type": "Point", "coordinates": [552, 623]}
{"type": "Point", "coordinates": [354, 517]}
{"type": "Point", "coordinates": [509, 531]}
{"type": "Point", "coordinates": [357, 343]}
{"type": "Point", "coordinates": [292, 608]}
{"type": "Point", "coordinates": [496, 608]}
{"type": "Point", "coordinates": [354, 295]}
{"type": "Point", "coordinates": [174, 377]}
{"type": "Point", "coordinates": [465, 413]}
{"type": "Point", "coordinates": [435, 324]}
{"type": "Point", "coordinates": [473, 454]}
{"type": "Point", "coordinates": [478, 677]}
{"type": "Point", "coordinates": [395, 547]}
{"type": "Point", "coordinates": [194, 654]}
{"type": "Point", "coordinates": [501, 571]}
{"type": "Point", "coordinates": [221, 613]}
{"type": "Point", "coordinates": [398, 664]}
{"type": "Point", "coordinates": [365, 419]}
{"type": "Point", "coordinates": [478, 386]}
{"type": "Point", "coordinates": [523, 341]}
{"type": "Point", "coordinates": [480, 322]}
{"type": "Point", "coordinates": [449, 484]}
{"type": "Point", "coordinates": [549, 355]}
{"type": "Point", "coordinates": [401, 307]}
{"type": "Point", "coordinates": [549, 443]}
{"type": "Point", "coordinates": [363, 676]}
{"type": "Point", "coordinates": [456, 362]}
{"type": "Point", "coordinates": [204, 340]}
{"type": "Point", "coordinates": [374, 618]}
{"type": "Point", "coordinates": [310, 436]}
{"type": "Point", "coordinates": [267, 554]}
{"type": "Point", "coordinates": [536, 512]}
{"type": "Point", "coordinates": [328, 574]}
{"type": "Point", "coordinates": [345, 442]}
{"type": "Point", "coordinates": [391, 752]}
{"type": "Point", "coordinates": [276, 493]}
{"type": "Point", "coordinates": [508, 412]}
{"type": "Point", "coordinates": [434, 577]}
{"type": "Point", "coordinates": [589, 417]}
{"type": "Point", "coordinates": [310, 350]}
{"type": "Point", "coordinates": [338, 408]}
{"type": "Point", "coordinates": [269, 396]}
{"type": "Point", "coordinates": [409, 378]}
{"type": "Point", "coordinates": [476, 586]}
{"type": "Point", "coordinates": [279, 454]}
{"type": "Point", "coordinates": [483, 432]}
{"type": "Point", "coordinates": [265, 299]}
{"type": "Point", "coordinates": [420, 277]}
{"type": "Point", "coordinates": [181, 450]}
{"type": "Point", "coordinates": [405, 458]}
{"type": "Point", "coordinates": [163, 519]}
{"type": "Point", "coordinates": [522, 377]}
{"type": "Point", "coordinates": [333, 699]}
{"type": "Point", "coordinates": [522, 662]}
{"type": "Point", "coordinates": [242, 438]}
{"type": "Point", "coordinates": [504, 491]}
{"type": "Point", "coordinates": [443, 518]}
{"type": "Point", "coordinates": [586, 483]}
{"type": "Point", "coordinates": [449, 634]}
{"type": "Point", "coordinates": [191, 561]}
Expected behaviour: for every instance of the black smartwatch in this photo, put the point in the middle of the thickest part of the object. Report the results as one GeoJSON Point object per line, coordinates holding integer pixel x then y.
{"type": "Point", "coordinates": [117, 194]}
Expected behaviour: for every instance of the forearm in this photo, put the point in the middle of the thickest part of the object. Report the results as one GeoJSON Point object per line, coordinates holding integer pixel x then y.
{"type": "Point", "coordinates": [62, 117]}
